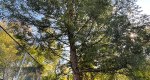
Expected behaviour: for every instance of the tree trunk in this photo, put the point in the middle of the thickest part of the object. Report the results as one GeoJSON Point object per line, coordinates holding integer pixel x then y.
{"type": "Point", "coordinates": [77, 75]}
{"type": "Point", "coordinates": [74, 64]}
{"type": "Point", "coordinates": [73, 58]}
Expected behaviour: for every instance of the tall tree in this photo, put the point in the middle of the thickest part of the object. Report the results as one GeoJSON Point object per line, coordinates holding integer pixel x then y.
{"type": "Point", "coordinates": [95, 31]}
{"type": "Point", "coordinates": [66, 18]}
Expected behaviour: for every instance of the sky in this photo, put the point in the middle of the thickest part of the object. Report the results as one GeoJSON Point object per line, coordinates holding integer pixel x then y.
{"type": "Point", "coordinates": [145, 6]}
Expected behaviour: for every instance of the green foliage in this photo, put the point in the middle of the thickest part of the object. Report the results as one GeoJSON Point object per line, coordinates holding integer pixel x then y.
{"type": "Point", "coordinates": [40, 49]}
{"type": "Point", "coordinates": [8, 51]}
{"type": "Point", "coordinates": [101, 35]}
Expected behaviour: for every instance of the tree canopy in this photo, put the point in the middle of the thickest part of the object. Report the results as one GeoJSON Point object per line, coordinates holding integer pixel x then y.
{"type": "Point", "coordinates": [92, 37]}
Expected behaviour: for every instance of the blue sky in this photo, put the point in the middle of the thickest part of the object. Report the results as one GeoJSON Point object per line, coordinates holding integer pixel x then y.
{"type": "Point", "coordinates": [145, 6]}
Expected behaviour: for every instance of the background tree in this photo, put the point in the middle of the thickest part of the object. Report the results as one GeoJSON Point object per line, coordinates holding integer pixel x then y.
{"type": "Point", "coordinates": [47, 60]}
{"type": "Point", "coordinates": [8, 52]}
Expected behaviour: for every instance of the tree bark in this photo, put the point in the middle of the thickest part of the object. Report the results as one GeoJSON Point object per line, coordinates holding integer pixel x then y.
{"type": "Point", "coordinates": [73, 55]}
{"type": "Point", "coordinates": [74, 61]}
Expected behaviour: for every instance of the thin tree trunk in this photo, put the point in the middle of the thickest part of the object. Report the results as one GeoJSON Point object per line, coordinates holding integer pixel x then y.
{"type": "Point", "coordinates": [5, 74]}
